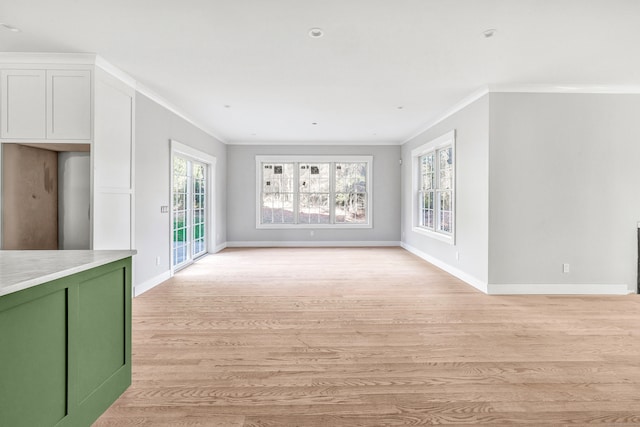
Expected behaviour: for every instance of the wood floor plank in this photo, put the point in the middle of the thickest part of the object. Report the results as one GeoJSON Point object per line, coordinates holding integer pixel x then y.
{"type": "Point", "coordinates": [371, 337]}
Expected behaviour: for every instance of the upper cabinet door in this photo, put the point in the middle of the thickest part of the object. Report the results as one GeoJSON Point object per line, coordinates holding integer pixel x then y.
{"type": "Point", "coordinates": [69, 104]}
{"type": "Point", "coordinates": [23, 104]}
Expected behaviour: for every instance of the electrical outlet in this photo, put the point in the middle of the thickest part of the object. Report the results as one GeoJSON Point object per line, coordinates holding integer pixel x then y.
{"type": "Point", "coordinates": [157, 260]}
{"type": "Point", "coordinates": [457, 256]}
{"type": "Point", "coordinates": [565, 268]}
{"type": "Point", "coordinates": [164, 209]}
{"type": "Point", "coordinates": [312, 233]}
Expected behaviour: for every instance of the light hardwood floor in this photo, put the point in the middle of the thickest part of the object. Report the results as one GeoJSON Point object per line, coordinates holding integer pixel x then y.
{"type": "Point", "coordinates": [371, 337]}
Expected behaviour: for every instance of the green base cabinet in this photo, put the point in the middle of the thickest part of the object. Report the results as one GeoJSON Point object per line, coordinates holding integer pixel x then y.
{"type": "Point", "coordinates": [65, 348]}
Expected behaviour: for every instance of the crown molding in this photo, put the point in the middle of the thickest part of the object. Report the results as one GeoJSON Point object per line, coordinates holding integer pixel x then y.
{"type": "Point", "coordinates": [315, 143]}
{"type": "Point", "coordinates": [464, 102]}
{"type": "Point", "coordinates": [47, 58]}
{"type": "Point", "coordinates": [114, 71]}
{"type": "Point", "coordinates": [565, 88]}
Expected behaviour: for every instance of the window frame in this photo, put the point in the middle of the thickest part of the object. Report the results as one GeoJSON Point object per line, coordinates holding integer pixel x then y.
{"type": "Point", "coordinates": [434, 146]}
{"type": "Point", "coordinates": [332, 160]}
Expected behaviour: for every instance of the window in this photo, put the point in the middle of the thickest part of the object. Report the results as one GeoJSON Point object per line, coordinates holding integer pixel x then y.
{"type": "Point", "coordinates": [434, 187]}
{"type": "Point", "coordinates": [314, 191]}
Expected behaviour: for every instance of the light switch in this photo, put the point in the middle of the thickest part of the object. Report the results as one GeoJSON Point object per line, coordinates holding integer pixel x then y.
{"type": "Point", "coordinates": [164, 209]}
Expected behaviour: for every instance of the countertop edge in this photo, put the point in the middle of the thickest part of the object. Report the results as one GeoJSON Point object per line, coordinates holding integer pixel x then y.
{"type": "Point", "coordinates": [30, 283]}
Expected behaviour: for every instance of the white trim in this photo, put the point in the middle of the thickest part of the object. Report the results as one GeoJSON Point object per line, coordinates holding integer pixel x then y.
{"type": "Point", "coordinates": [467, 278]}
{"type": "Point", "coordinates": [151, 283]}
{"type": "Point", "coordinates": [220, 247]}
{"type": "Point", "coordinates": [559, 289]}
{"type": "Point", "coordinates": [312, 143]}
{"type": "Point", "coordinates": [158, 99]}
{"type": "Point", "coordinates": [464, 102]}
{"type": "Point", "coordinates": [439, 142]}
{"type": "Point", "coordinates": [178, 147]}
{"type": "Point", "coordinates": [565, 88]}
{"type": "Point", "coordinates": [114, 71]}
{"type": "Point", "coordinates": [337, 226]}
{"type": "Point", "coordinates": [320, 158]}
{"type": "Point", "coordinates": [433, 234]}
{"type": "Point", "coordinates": [311, 244]}
{"type": "Point", "coordinates": [260, 159]}
{"type": "Point", "coordinates": [41, 58]}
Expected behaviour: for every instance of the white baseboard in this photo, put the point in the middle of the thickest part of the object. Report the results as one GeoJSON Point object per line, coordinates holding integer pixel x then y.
{"type": "Point", "coordinates": [219, 247]}
{"type": "Point", "coordinates": [151, 283]}
{"type": "Point", "coordinates": [524, 289]}
{"type": "Point", "coordinates": [559, 289]}
{"type": "Point", "coordinates": [473, 281]}
{"type": "Point", "coordinates": [309, 244]}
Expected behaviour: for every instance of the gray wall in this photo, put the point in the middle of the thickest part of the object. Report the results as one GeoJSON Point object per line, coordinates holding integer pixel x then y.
{"type": "Point", "coordinates": [564, 188]}
{"type": "Point", "coordinates": [74, 199]}
{"type": "Point", "coordinates": [472, 192]}
{"type": "Point", "coordinates": [155, 126]}
{"type": "Point", "coordinates": [242, 195]}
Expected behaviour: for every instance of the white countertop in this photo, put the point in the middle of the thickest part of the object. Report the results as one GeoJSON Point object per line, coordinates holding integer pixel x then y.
{"type": "Point", "coordinates": [24, 269]}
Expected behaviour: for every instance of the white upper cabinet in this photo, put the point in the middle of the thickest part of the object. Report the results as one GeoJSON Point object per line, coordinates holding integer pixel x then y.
{"type": "Point", "coordinates": [69, 104]}
{"type": "Point", "coordinates": [23, 104]}
{"type": "Point", "coordinates": [46, 105]}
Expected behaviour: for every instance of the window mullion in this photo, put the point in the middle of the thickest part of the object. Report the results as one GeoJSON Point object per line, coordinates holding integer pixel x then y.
{"type": "Point", "coordinates": [332, 192]}
{"type": "Point", "coordinates": [296, 190]}
{"type": "Point", "coordinates": [189, 213]}
{"type": "Point", "coordinates": [436, 202]}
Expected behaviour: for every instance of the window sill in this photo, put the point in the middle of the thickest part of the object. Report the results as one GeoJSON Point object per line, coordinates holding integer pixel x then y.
{"type": "Point", "coordinates": [435, 235]}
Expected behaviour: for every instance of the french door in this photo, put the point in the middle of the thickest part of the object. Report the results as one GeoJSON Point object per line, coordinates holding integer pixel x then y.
{"type": "Point", "coordinates": [189, 210]}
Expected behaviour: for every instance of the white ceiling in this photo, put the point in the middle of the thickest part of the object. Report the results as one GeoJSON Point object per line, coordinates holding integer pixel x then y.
{"type": "Point", "coordinates": [376, 55]}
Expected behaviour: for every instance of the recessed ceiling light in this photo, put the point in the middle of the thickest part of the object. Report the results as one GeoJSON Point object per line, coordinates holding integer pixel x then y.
{"type": "Point", "coordinates": [10, 27]}
{"type": "Point", "coordinates": [227, 106]}
{"type": "Point", "coordinates": [314, 123]}
{"type": "Point", "coordinates": [400, 107]}
{"type": "Point", "coordinates": [316, 33]}
{"type": "Point", "coordinates": [489, 33]}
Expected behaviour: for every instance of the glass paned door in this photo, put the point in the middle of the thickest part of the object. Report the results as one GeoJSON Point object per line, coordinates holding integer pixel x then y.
{"type": "Point", "coordinates": [189, 210]}
{"type": "Point", "coordinates": [198, 203]}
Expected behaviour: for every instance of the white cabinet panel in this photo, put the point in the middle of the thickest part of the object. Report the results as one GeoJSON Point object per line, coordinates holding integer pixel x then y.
{"type": "Point", "coordinates": [113, 138]}
{"type": "Point", "coordinates": [69, 104]}
{"type": "Point", "coordinates": [23, 104]}
{"type": "Point", "coordinates": [112, 221]}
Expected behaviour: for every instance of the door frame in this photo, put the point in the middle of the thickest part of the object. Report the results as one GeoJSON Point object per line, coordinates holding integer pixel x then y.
{"type": "Point", "coordinates": [180, 149]}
